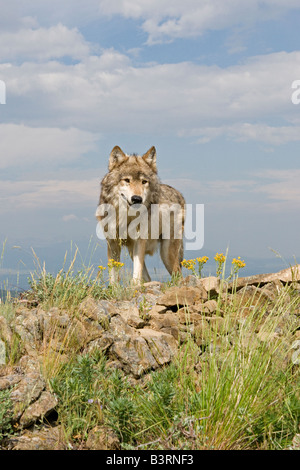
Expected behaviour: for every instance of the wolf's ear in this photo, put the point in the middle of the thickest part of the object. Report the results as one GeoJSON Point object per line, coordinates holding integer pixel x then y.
{"type": "Point", "coordinates": [117, 156]}
{"type": "Point", "coordinates": [150, 158]}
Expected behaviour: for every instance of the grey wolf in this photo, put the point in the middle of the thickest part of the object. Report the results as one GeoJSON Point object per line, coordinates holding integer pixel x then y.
{"type": "Point", "coordinates": [132, 182]}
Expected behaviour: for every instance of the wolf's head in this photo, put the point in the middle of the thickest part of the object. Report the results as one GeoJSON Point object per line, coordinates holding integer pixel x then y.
{"type": "Point", "coordinates": [132, 178]}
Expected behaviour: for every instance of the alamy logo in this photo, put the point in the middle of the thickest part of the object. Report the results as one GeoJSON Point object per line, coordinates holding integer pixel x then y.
{"type": "Point", "coordinates": [2, 92]}
{"type": "Point", "coordinates": [136, 222]}
{"type": "Point", "coordinates": [296, 94]}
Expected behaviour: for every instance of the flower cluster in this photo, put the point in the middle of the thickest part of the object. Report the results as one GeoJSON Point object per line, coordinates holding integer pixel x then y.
{"type": "Point", "coordinates": [114, 264]}
{"type": "Point", "coordinates": [101, 268]}
{"type": "Point", "coordinates": [238, 263]}
{"type": "Point", "coordinates": [188, 264]}
{"type": "Point", "coordinates": [220, 258]}
{"type": "Point", "coordinates": [191, 264]}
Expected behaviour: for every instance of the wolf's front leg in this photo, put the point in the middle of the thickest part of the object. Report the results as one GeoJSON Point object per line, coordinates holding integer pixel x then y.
{"type": "Point", "coordinates": [113, 252]}
{"type": "Point", "coordinates": [138, 260]}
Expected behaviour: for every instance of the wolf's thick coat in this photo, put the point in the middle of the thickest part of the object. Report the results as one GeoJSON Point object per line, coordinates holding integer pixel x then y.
{"type": "Point", "coordinates": [133, 179]}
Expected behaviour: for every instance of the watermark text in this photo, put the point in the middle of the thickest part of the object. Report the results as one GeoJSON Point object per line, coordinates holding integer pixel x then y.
{"type": "Point", "coordinates": [159, 221]}
{"type": "Point", "coordinates": [2, 92]}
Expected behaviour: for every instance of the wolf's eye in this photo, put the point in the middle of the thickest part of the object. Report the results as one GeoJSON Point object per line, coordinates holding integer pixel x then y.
{"type": "Point", "coordinates": [144, 181]}
{"type": "Point", "coordinates": [127, 180]}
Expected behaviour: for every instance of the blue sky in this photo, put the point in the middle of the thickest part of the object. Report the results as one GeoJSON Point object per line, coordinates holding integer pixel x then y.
{"type": "Point", "coordinates": [209, 83]}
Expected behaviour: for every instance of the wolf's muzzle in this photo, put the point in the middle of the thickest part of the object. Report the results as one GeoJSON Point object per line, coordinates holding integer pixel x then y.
{"type": "Point", "coordinates": [136, 199]}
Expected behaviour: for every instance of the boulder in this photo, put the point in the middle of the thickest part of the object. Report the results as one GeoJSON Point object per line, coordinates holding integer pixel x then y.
{"type": "Point", "coordinates": [96, 311]}
{"type": "Point", "coordinates": [134, 355]}
{"type": "Point", "coordinates": [163, 346]}
{"type": "Point", "coordinates": [211, 285]}
{"type": "Point", "coordinates": [289, 275]}
{"type": "Point", "coordinates": [2, 353]}
{"type": "Point", "coordinates": [39, 409]}
{"type": "Point", "coordinates": [27, 326]}
{"type": "Point", "coordinates": [253, 296]}
{"type": "Point", "coordinates": [51, 438]}
{"type": "Point", "coordinates": [179, 296]}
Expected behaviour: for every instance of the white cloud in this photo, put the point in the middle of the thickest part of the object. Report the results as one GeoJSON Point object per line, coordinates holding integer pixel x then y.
{"type": "Point", "coordinates": [17, 14]}
{"type": "Point", "coordinates": [267, 191]}
{"type": "Point", "coordinates": [23, 145]}
{"type": "Point", "coordinates": [106, 93]}
{"type": "Point", "coordinates": [169, 19]}
{"type": "Point", "coordinates": [16, 196]}
{"type": "Point", "coordinates": [283, 186]}
{"type": "Point", "coordinates": [42, 44]}
{"type": "Point", "coordinates": [162, 20]}
{"type": "Point", "coordinates": [248, 132]}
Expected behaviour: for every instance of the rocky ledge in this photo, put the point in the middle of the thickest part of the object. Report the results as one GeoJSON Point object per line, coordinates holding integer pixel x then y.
{"type": "Point", "coordinates": [137, 336]}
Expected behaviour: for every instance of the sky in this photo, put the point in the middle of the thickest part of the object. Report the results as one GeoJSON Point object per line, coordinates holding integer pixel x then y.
{"type": "Point", "coordinates": [209, 83]}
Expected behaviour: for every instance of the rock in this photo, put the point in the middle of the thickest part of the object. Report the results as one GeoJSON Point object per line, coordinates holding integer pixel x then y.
{"type": "Point", "coordinates": [2, 353]}
{"type": "Point", "coordinates": [134, 354]}
{"type": "Point", "coordinates": [163, 346]}
{"type": "Point", "coordinates": [89, 308]}
{"type": "Point", "coordinates": [131, 314]}
{"type": "Point", "coordinates": [296, 354]}
{"type": "Point", "coordinates": [253, 296]}
{"type": "Point", "coordinates": [28, 385]}
{"type": "Point", "coordinates": [39, 409]}
{"type": "Point", "coordinates": [211, 306]}
{"type": "Point", "coordinates": [63, 332]}
{"type": "Point", "coordinates": [152, 284]}
{"type": "Point", "coordinates": [26, 392]}
{"type": "Point", "coordinates": [27, 325]}
{"type": "Point", "coordinates": [179, 296]}
{"type": "Point", "coordinates": [45, 439]}
{"type": "Point", "coordinates": [103, 343]}
{"type": "Point", "coordinates": [5, 330]}
{"type": "Point", "coordinates": [186, 318]}
{"type": "Point", "coordinates": [171, 330]}
{"type": "Point", "coordinates": [102, 438]}
{"type": "Point", "coordinates": [285, 276]}
{"type": "Point", "coordinates": [157, 309]}
{"type": "Point", "coordinates": [10, 380]}
{"type": "Point", "coordinates": [167, 323]}
{"type": "Point", "coordinates": [153, 287]}
{"type": "Point", "coordinates": [136, 321]}
{"type": "Point", "coordinates": [93, 329]}
{"type": "Point", "coordinates": [97, 311]}
{"type": "Point", "coordinates": [159, 321]}
{"type": "Point", "coordinates": [211, 285]}
{"type": "Point", "coordinates": [193, 281]}
{"type": "Point", "coordinates": [120, 329]}
{"type": "Point", "coordinates": [145, 302]}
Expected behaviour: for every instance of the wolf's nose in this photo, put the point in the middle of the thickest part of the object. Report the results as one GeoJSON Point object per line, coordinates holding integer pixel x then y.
{"type": "Point", "coordinates": [136, 200]}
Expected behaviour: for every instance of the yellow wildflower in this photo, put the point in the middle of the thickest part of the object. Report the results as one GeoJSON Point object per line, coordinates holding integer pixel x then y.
{"type": "Point", "coordinates": [114, 264]}
{"type": "Point", "coordinates": [238, 262]}
{"type": "Point", "coordinates": [220, 258]}
{"type": "Point", "coordinates": [188, 263]}
{"type": "Point", "coordinates": [203, 260]}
